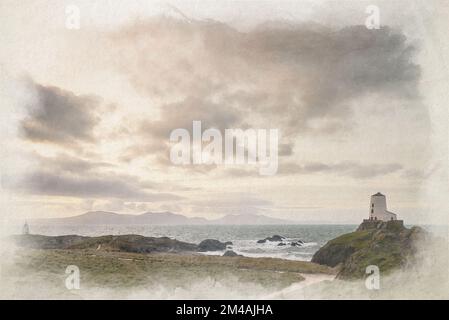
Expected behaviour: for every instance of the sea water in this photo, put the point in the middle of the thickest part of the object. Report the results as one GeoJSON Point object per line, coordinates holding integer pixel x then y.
{"type": "Point", "coordinates": [243, 237]}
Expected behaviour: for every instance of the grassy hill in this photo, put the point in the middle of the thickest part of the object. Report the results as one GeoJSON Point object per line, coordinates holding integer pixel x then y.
{"type": "Point", "coordinates": [388, 245]}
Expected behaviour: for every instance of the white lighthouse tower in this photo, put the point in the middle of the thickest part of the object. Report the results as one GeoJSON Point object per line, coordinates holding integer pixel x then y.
{"type": "Point", "coordinates": [378, 208]}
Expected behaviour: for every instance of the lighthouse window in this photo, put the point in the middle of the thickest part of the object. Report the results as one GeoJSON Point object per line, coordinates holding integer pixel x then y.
{"type": "Point", "coordinates": [372, 205]}
{"type": "Point", "coordinates": [372, 211]}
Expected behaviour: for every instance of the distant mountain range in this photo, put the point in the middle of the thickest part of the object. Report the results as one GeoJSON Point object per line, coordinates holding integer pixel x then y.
{"type": "Point", "coordinates": [157, 218]}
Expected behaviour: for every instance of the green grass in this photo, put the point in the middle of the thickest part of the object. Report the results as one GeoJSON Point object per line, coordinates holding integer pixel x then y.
{"type": "Point", "coordinates": [385, 247]}
{"type": "Point", "coordinates": [126, 270]}
{"type": "Point", "coordinates": [357, 239]}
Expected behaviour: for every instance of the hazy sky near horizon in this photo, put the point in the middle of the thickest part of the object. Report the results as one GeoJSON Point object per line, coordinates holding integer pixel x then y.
{"type": "Point", "coordinates": [87, 114]}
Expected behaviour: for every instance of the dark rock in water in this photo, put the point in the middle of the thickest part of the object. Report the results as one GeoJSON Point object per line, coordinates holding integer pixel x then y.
{"type": "Point", "coordinates": [300, 242]}
{"type": "Point", "coordinates": [281, 244]}
{"type": "Point", "coordinates": [296, 243]}
{"type": "Point", "coordinates": [275, 238]}
{"type": "Point", "coordinates": [228, 243]}
{"type": "Point", "coordinates": [230, 253]}
{"type": "Point", "coordinates": [389, 245]}
{"type": "Point", "coordinates": [212, 245]}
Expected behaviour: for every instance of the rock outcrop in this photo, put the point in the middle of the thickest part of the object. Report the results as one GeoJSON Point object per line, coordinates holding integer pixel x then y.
{"type": "Point", "coordinates": [212, 245]}
{"type": "Point", "coordinates": [298, 243]}
{"type": "Point", "coordinates": [230, 253]}
{"type": "Point", "coordinates": [275, 238]}
{"type": "Point", "coordinates": [388, 245]}
{"type": "Point", "coordinates": [126, 243]}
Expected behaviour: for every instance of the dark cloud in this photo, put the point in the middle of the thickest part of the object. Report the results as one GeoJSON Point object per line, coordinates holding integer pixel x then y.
{"type": "Point", "coordinates": [285, 149]}
{"type": "Point", "coordinates": [98, 186]}
{"type": "Point", "coordinates": [68, 175]}
{"type": "Point", "coordinates": [181, 115]}
{"type": "Point", "coordinates": [299, 78]}
{"type": "Point", "coordinates": [153, 134]}
{"type": "Point", "coordinates": [60, 116]}
{"type": "Point", "coordinates": [65, 163]}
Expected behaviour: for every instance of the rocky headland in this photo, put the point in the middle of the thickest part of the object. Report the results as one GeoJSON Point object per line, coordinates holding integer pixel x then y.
{"type": "Point", "coordinates": [388, 245]}
{"type": "Point", "coordinates": [124, 243]}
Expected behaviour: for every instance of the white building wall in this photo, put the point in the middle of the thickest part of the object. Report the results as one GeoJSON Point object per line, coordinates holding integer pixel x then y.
{"type": "Point", "coordinates": [378, 208]}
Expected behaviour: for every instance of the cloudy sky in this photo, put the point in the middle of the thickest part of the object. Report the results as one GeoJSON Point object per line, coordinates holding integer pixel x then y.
{"type": "Point", "coordinates": [87, 113]}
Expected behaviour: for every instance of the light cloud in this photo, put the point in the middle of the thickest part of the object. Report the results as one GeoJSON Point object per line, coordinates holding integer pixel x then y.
{"type": "Point", "coordinates": [348, 169]}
